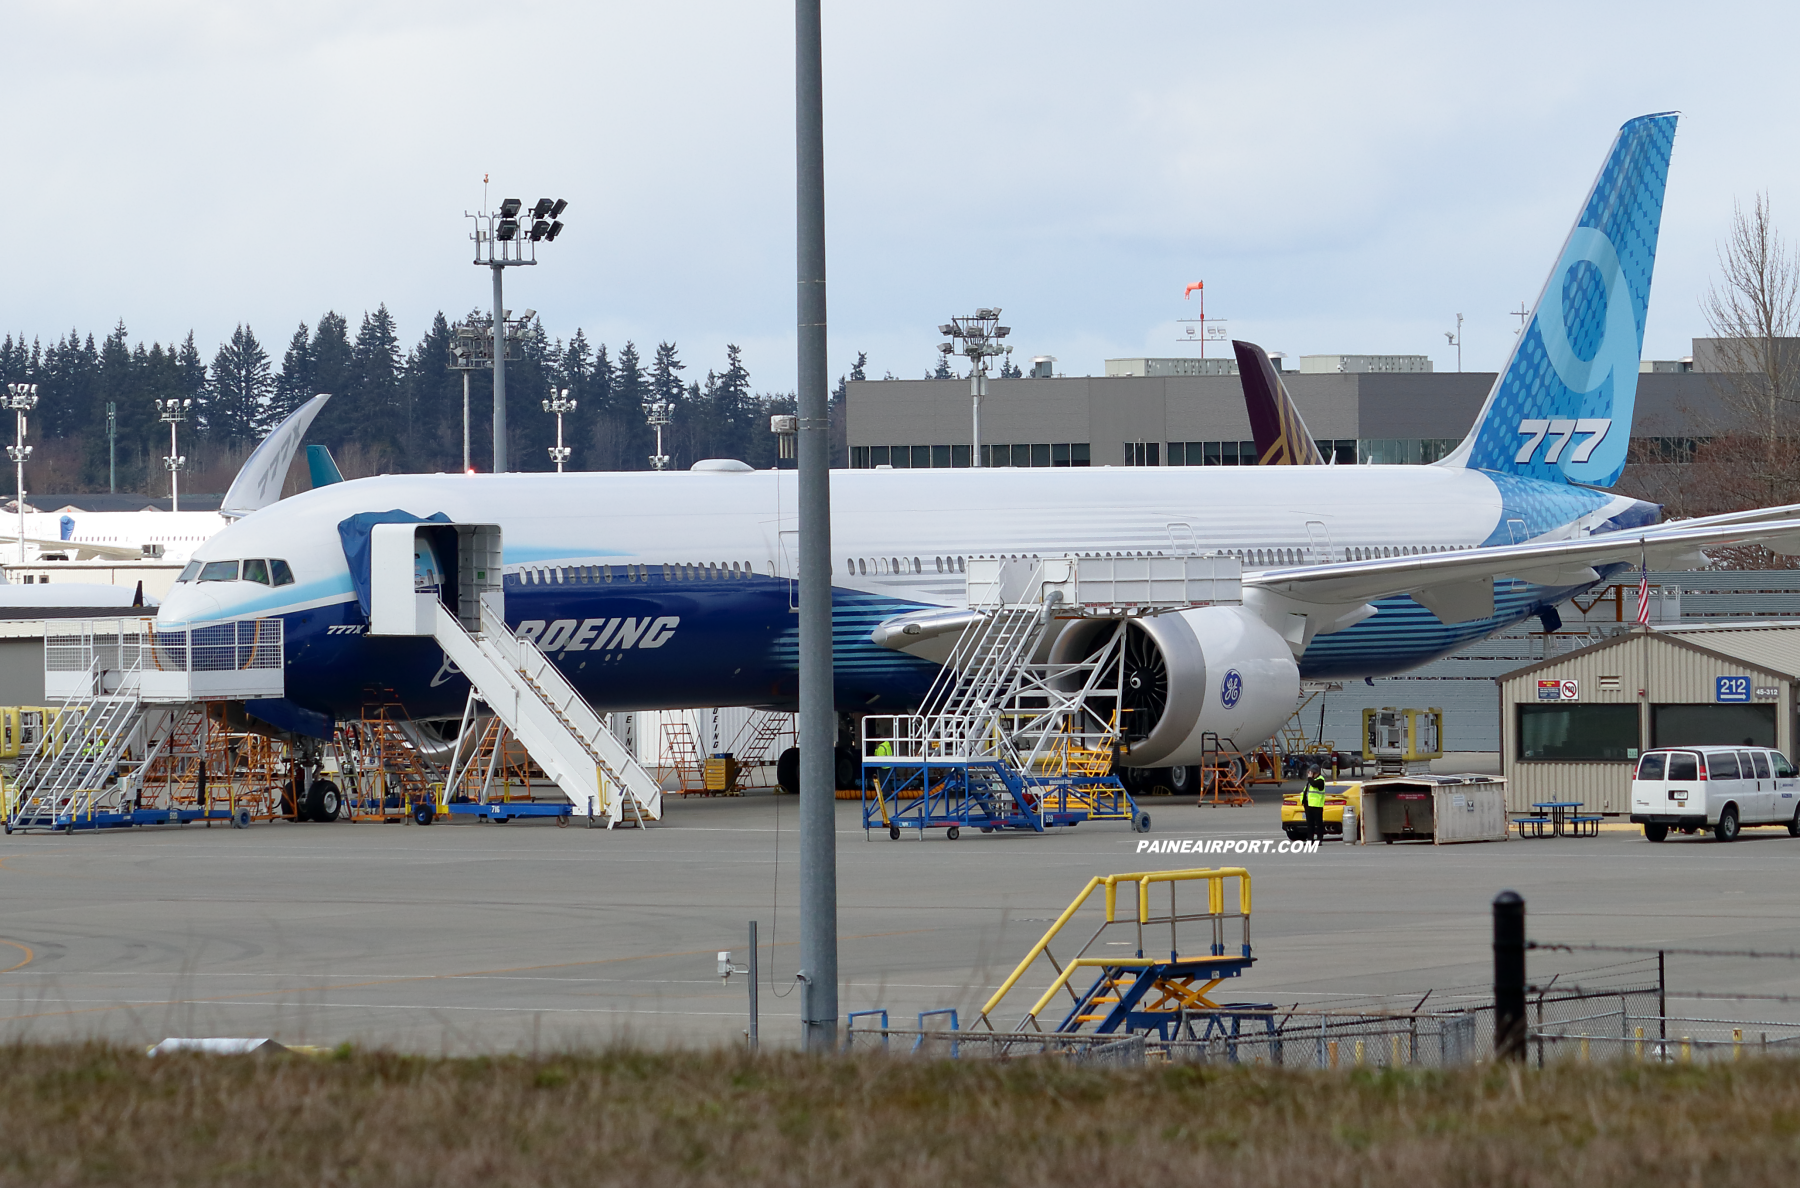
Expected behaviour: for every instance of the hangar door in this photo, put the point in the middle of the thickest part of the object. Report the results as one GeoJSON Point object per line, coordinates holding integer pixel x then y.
{"type": "Point", "coordinates": [1712, 725]}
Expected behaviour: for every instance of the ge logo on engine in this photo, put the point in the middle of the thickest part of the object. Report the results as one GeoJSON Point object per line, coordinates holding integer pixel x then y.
{"type": "Point", "coordinates": [1231, 688]}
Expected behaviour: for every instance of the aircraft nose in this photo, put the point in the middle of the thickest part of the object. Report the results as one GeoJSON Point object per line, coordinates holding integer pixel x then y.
{"type": "Point", "coordinates": [187, 606]}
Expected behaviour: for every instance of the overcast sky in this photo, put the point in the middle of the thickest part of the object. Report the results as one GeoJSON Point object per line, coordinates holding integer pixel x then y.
{"type": "Point", "coordinates": [1343, 177]}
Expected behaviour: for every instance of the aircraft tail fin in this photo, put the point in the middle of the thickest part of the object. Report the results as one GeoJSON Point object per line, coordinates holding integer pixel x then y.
{"type": "Point", "coordinates": [1281, 436]}
{"type": "Point", "coordinates": [321, 467]}
{"type": "Point", "coordinates": [1561, 408]}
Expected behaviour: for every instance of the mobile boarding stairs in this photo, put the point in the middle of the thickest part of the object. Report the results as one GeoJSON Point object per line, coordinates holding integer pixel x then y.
{"type": "Point", "coordinates": [1007, 738]}
{"type": "Point", "coordinates": [127, 686]}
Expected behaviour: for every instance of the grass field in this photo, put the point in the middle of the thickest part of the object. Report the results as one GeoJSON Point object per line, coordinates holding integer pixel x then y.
{"type": "Point", "coordinates": [102, 1115]}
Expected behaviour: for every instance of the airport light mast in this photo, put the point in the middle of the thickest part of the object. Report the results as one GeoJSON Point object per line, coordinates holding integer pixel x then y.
{"type": "Point", "coordinates": [21, 398]}
{"type": "Point", "coordinates": [472, 349]}
{"type": "Point", "coordinates": [978, 338]}
{"type": "Point", "coordinates": [173, 412]}
{"type": "Point", "coordinates": [658, 413]}
{"type": "Point", "coordinates": [504, 239]}
{"type": "Point", "coordinates": [559, 403]}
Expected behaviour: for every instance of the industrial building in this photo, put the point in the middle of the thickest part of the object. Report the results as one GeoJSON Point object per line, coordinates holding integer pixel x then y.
{"type": "Point", "coordinates": [1572, 727]}
{"type": "Point", "coordinates": [1190, 412]}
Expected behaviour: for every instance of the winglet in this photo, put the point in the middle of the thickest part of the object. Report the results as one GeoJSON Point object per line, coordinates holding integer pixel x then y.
{"type": "Point", "coordinates": [319, 465]}
{"type": "Point", "coordinates": [1281, 436]}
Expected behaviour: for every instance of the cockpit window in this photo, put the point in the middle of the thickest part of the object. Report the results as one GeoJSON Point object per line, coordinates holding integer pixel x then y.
{"type": "Point", "coordinates": [219, 571]}
{"type": "Point", "coordinates": [187, 574]}
{"type": "Point", "coordinates": [256, 570]}
{"type": "Point", "coordinates": [281, 573]}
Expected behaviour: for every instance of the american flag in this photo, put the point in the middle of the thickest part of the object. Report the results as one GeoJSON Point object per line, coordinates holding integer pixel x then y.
{"type": "Point", "coordinates": [1643, 617]}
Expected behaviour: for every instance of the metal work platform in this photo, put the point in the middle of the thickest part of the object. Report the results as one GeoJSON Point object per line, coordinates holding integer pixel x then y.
{"type": "Point", "coordinates": [1005, 739]}
{"type": "Point", "coordinates": [1154, 990]}
{"type": "Point", "coordinates": [131, 696]}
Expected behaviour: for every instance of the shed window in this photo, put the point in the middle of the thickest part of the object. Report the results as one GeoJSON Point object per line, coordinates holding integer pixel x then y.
{"type": "Point", "coordinates": [1712, 725]}
{"type": "Point", "coordinates": [1578, 732]}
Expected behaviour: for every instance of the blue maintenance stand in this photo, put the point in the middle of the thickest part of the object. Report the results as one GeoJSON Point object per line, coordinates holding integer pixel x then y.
{"type": "Point", "coordinates": [71, 822]}
{"type": "Point", "coordinates": [501, 811]}
{"type": "Point", "coordinates": [951, 794]}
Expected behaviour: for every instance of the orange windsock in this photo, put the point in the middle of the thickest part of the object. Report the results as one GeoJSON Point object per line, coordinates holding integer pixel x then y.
{"type": "Point", "coordinates": [1191, 288]}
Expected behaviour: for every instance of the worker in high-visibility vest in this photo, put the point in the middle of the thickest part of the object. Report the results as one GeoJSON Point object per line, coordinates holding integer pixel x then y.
{"type": "Point", "coordinates": [883, 749]}
{"type": "Point", "coordinates": [1314, 800]}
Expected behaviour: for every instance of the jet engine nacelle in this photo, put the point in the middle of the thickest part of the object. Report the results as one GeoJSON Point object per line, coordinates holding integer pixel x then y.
{"type": "Point", "coordinates": [1214, 670]}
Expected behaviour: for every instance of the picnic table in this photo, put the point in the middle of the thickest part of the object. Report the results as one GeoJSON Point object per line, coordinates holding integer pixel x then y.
{"type": "Point", "coordinates": [1558, 818]}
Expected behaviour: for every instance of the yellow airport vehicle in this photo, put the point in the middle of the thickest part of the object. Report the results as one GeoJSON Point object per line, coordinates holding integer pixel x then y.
{"type": "Point", "coordinates": [1293, 810]}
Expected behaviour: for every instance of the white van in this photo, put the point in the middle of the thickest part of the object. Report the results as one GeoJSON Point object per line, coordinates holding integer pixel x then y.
{"type": "Point", "coordinates": [1717, 788]}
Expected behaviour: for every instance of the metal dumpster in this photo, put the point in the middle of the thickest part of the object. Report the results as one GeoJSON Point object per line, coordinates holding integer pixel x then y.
{"type": "Point", "coordinates": [1445, 809]}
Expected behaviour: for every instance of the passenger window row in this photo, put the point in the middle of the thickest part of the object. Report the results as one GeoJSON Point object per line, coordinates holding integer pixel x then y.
{"type": "Point", "coordinates": [589, 575]}
{"type": "Point", "coordinates": [863, 566]}
{"type": "Point", "coordinates": [270, 572]}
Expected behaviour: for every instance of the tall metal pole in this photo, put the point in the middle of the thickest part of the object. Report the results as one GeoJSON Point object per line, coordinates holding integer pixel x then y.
{"type": "Point", "coordinates": [818, 718]}
{"type": "Point", "coordinates": [499, 374]}
{"type": "Point", "coordinates": [465, 422]}
{"type": "Point", "coordinates": [977, 389]}
{"type": "Point", "coordinates": [174, 473]}
{"type": "Point", "coordinates": [18, 453]}
{"type": "Point", "coordinates": [112, 448]}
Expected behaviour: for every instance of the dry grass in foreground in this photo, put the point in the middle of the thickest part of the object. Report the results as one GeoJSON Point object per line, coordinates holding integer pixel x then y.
{"type": "Point", "coordinates": [92, 1115]}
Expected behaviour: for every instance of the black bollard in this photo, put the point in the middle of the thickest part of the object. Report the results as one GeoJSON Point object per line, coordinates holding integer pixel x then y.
{"type": "Point", "coordinates": [1509, 976]}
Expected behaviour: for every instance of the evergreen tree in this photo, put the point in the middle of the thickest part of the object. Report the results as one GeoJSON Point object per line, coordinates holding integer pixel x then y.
{"type": "Point", "coordinates": [237, 404]}
{"type": "Point", "coordinates": [374, 383]}
{"type": "Point", "coordinates": [294, 385]}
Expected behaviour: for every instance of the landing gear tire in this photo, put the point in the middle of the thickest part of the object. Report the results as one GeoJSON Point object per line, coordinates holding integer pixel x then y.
{"type": "Point", "coordinates": [1728, 827]}
{"type": "Point", "coordinates": [894, 832]}
{"type": "Point", "coordinates": [424, 813]}
{"type": "Point", "coordinates": [1184, 781]}
{"type": "Point", "coordinates": [787, 770]}
{"type": "Point", "coordinates": [323, 802]}
{"type": "Point", "coordinates": [1141, 822]}
{"type": "Point", "coordinates": [952, 833]}
{"type": "Point", "coordinates": [846, 767]}
{"type": "Point", "coordinates": [1655, 833]}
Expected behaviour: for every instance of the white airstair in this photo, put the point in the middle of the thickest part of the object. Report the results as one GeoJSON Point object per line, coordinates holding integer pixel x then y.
{"type": "Point", "coordinates": [560, 731]}
{"type": "Point", "coordinates": [537, 705]}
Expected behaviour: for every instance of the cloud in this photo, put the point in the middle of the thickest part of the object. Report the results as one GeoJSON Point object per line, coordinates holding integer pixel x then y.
{"type": "Point", "coordinates": [1342, 178]}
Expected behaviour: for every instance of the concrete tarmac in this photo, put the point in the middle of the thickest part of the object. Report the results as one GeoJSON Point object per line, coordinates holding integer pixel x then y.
{"type": "Point", "coordinates": [482, 938]}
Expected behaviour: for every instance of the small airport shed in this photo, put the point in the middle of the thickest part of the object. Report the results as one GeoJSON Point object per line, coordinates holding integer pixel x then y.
{"type": "Point", "coordinates": [1572, 727]}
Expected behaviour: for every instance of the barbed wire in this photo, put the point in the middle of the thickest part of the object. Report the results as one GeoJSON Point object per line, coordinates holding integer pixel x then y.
{"type": "Point", "coordinates": [1549, 946]}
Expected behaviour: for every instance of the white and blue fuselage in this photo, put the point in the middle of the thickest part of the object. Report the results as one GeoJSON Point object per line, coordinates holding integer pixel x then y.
{"type": "Point", "coordinates": [665, 590]}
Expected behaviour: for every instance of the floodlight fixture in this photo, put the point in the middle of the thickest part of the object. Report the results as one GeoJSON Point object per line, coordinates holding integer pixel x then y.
{"type": "Point", "coordinates": [557, 207]}
{"type": "Point", "coordinates": [505, 240]}
{"type": "Point", "coordinates": [977, 337]}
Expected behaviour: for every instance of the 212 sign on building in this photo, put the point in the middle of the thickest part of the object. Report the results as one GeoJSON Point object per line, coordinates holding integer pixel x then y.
{"type": "Point", "coordinates": [1732, 689]}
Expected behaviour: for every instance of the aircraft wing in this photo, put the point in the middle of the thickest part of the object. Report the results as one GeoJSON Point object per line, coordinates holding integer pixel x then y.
{"type": "Point", "coordinates": [258, 482]}
{"type": "Point", "coordinates": [1458, 587]}
{"type": "Point", "coordinates": [81, 548]}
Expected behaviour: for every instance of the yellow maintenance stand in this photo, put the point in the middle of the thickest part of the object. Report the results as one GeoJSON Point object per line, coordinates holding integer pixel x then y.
{"type": "Point", "coordinates": [1149, 991]}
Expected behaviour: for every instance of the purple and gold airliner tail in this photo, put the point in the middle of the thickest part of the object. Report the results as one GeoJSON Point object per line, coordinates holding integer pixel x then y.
{"type": "Point", "coordinates": [1281, 436]}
